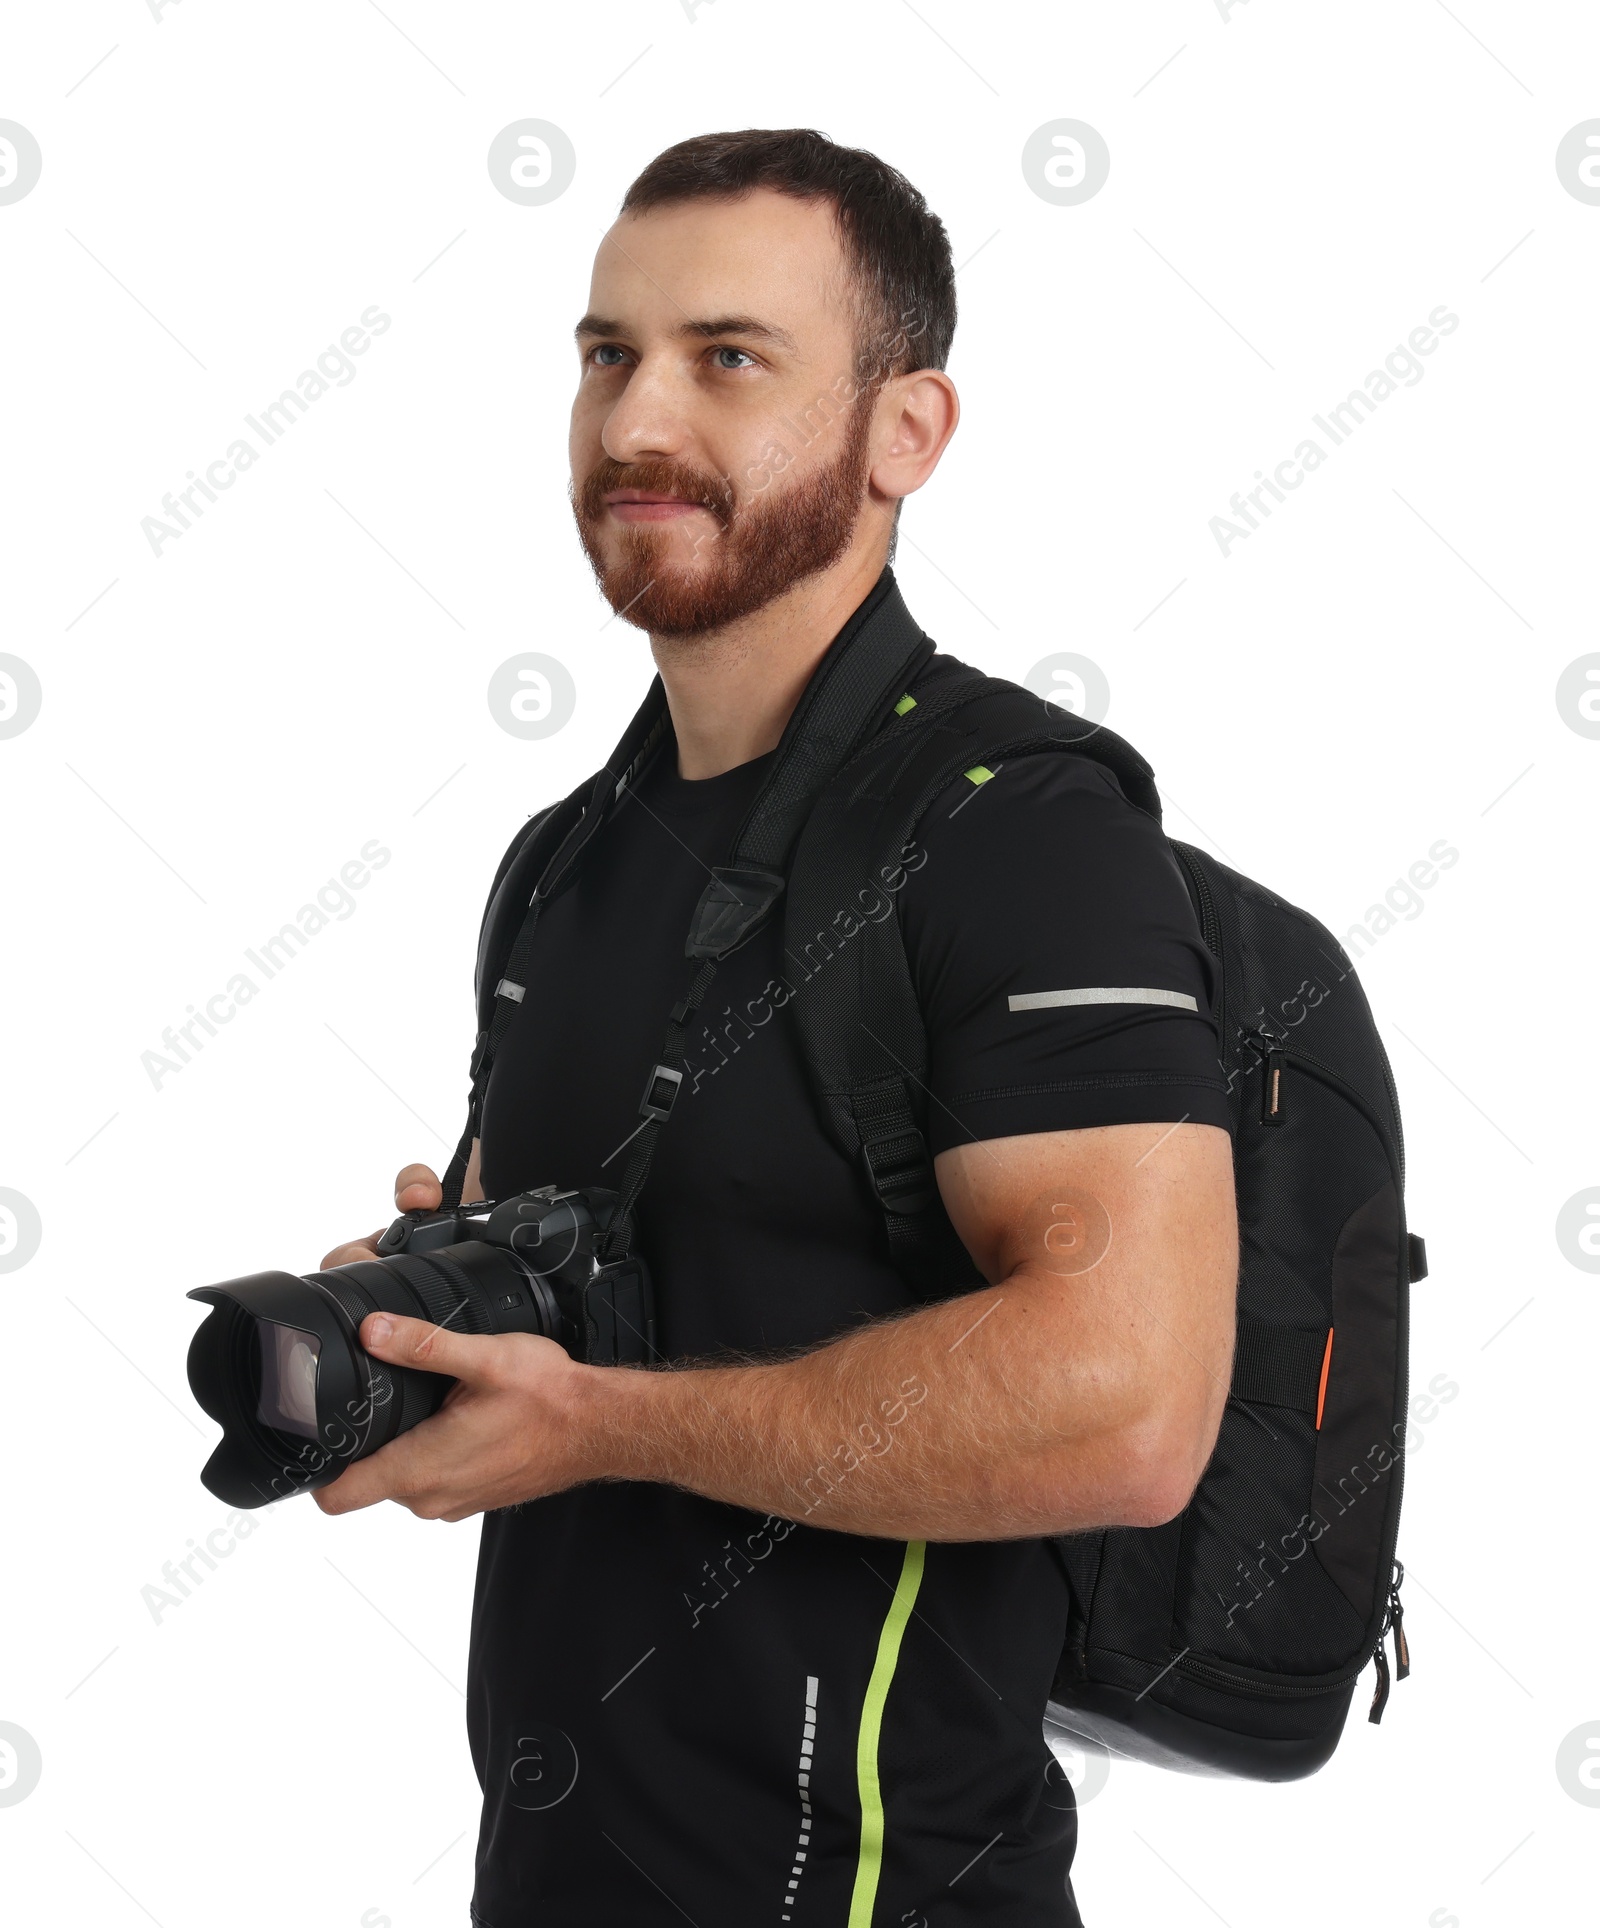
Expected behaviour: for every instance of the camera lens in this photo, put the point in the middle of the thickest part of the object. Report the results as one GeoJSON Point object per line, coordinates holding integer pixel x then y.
{"type": "Point", "coordinates": [288, 1378]}
{"type": "Point", "coordinates": [278, 1363]}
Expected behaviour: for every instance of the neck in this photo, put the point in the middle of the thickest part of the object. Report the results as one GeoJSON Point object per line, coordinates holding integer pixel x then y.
{"type": "Point", "coordinates": [730, 691]}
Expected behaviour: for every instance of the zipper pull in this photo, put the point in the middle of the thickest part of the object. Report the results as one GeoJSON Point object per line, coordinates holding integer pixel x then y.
{"type": "Point", "coordinates": [1380, 1692]}
{"type": "Point", "coordinates": [1271, 1078]}
{"type": "Point", "coordinates": [1402, 1653]}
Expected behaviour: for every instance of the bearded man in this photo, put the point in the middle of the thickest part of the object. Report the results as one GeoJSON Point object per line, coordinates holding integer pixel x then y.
{"type": "Point", "coordinates": [765, 1632]}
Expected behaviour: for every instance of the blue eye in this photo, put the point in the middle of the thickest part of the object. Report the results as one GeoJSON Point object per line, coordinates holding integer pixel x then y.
{"type": "Point", "coordinates": [612, 348]}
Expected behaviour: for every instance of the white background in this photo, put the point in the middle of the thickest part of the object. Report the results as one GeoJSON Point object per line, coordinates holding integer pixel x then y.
{"type": "Point", "coordinates": [1374, 669]}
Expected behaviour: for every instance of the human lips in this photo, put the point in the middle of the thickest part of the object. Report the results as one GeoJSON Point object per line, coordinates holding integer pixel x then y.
{"type": "Point", "coordinates": [647, 505]}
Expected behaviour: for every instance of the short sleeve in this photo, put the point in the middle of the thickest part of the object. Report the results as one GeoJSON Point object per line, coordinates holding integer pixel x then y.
{"type": "Point", "coordinates": [1057, 960]}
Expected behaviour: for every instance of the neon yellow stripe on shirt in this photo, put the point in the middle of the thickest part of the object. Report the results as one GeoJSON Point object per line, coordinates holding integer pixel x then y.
{"type": "Point", "coordinates": [870, 1863]}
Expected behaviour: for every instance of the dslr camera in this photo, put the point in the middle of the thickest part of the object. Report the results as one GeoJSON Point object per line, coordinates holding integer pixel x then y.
{"type": "Point", "coordinates": [279, 1365]}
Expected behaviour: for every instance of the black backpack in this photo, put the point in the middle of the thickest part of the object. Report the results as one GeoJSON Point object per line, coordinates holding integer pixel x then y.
{"type": "Point", "coordinates": [1229, 1640]}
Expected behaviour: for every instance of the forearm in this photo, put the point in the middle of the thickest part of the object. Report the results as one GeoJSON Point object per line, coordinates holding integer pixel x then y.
{"type": "Point", "coordinates": [969, 1420]}
{"type": "Point", "coordinates": [1084, 1389]}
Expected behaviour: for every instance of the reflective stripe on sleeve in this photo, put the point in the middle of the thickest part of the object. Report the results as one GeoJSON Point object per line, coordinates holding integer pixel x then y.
{"type": "Point", "coordinates": [1101, 994]}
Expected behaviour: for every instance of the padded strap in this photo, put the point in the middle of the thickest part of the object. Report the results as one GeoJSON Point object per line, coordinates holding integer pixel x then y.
{"type": "Point", "coordinates": [871, 663]}
{"type": "Point", "coordinates": [861, 1031]}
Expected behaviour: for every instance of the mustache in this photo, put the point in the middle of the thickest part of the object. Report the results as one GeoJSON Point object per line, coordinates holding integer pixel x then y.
{"type": "Point", "coordinates": [712, 492]}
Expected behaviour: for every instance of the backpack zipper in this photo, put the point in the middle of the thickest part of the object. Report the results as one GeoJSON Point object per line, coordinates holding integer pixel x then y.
{"type": "Point", "coordinates": [1211, 931]}
{"type": "Point", "coordinates": [1235, 1681]}
{"type": "Point", "coordinates": [1274, 1054]}
{"type": "Point", "coordinates": [1239, 1683]}
{"type": "Point", "coordinates": [1352, 1097]}
{"type": "Point", "coordinates": [1394, 1106]}
{"type": "Point", "coordinates": [1210, 923]}
{"type": "Point", "coordinates": [1394, 1615]}
{"type": "Point", "coordinates": [1269, 1046]}
{"type": "Point", "coordinates": [1211, 936]}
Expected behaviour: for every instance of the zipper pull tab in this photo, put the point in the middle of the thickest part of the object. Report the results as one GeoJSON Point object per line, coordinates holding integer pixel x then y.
{"type": "Point", "coordinates": [1271, 1079]}
{"type": "Point", "coordinates": [1402, 1652]}
{"type": "Point", "coordinates": [1380, 1692]}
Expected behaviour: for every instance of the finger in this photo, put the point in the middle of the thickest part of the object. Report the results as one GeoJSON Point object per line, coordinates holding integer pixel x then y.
{"type": "Point", "coordinates": [390, 1474]}
{"type": "Point", "coordinates": [417, 1189]}
{"type": "Point", "coordinates": [427, 1347]}
{"type": "Point", "coordinates": [406, 1470]}
{"type": "Point", "coordinates": [366, 1248]}
{"type": "Point", "coordinates": [355, 1488]}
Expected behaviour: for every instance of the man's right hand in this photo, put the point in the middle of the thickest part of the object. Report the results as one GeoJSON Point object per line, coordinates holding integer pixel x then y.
{"type": "Point", "coordinates": [417, 1189]}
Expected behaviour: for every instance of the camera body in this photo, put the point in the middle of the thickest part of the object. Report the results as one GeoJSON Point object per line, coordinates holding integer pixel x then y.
{"type": "Point", "coordinates": [603, 1314]}
{"type": "Point", "coordinates": [279, 1363]}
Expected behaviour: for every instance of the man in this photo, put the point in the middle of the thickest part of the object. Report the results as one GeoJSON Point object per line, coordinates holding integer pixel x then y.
{"type": "Point", "coordinates": [773, 1638]}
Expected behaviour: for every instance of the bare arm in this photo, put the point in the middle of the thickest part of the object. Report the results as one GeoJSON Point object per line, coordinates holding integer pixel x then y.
{"type": "Point", "coordinates": [1059, 1398]}
{"type": "Point", "coordinates": [1084, 1387]}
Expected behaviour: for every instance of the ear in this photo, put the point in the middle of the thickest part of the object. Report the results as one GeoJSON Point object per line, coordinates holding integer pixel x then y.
{"type": "Point", "coordinates": [917, 414]}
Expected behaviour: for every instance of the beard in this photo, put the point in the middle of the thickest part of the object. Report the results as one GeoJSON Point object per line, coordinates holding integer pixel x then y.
{"type": "Point", "coordinates": [673, 584]}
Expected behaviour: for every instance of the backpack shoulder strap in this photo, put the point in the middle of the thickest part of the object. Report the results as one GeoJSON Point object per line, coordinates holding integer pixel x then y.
{"type": "Point", "coordinates": [855, 1009]}
{"type": "Point", "coordinates": [541, 853]}
{"type": "Point", "coordinates": [514, 882]}
{"type": "Point", "coordinates": [513, 890]}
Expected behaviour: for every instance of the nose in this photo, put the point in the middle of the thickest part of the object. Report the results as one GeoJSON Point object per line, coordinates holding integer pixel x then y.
{"type": "Point", "coordinates": [649, 418]}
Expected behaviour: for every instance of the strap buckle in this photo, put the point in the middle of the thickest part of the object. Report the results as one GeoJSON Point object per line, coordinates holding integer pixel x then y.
{"type": "Point", "coordinates": [660, 1092]}
{"type": "Point", "coordinates": [900, 1171]}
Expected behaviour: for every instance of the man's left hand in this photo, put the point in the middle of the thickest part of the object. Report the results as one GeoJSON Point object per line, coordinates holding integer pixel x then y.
{"type": "Point", "coordinates": [507, 1431]}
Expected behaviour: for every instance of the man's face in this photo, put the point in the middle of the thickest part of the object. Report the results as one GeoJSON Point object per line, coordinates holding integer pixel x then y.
{"type": "Point", "coordinates": [720, 449]}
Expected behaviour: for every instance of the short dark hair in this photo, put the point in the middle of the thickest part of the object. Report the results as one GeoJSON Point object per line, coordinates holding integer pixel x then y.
{"type": "Point", "coordinates": [897, 249]}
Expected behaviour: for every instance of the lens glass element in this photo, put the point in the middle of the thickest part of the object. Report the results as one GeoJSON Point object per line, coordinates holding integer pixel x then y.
{"type": "Point", "coordinates": [288, 1378]}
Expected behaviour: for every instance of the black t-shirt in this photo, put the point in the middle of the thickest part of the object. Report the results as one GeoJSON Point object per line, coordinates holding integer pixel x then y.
{"type": "Point", "coordinates": [668, 1697]}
